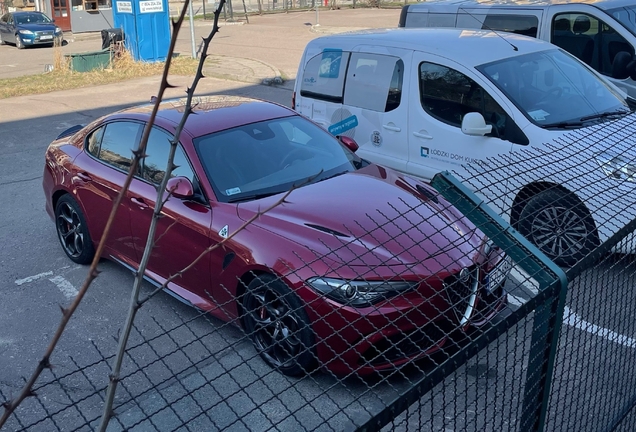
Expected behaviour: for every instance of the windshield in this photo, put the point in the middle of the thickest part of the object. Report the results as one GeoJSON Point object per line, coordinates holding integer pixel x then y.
{"type": "Point", "coordinates": [552, 87]}
{"type": "Point", "coordinates": [270, 157]}
{"type": "Point", "coordinates": [31, 18]}
{"type": "Point", "coordinates": [626, 16]}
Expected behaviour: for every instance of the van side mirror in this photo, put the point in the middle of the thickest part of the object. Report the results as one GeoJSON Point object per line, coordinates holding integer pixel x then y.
{"type": "Point", "coordinates": [474, 124]}
{"type": "Point", "coordinates": [180, 187]}
{"type": "Point", "coordinates": [350, 143]}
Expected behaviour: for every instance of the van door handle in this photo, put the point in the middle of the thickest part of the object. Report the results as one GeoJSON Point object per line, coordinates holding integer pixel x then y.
{"type": "Point", "coordinates": [391, 127]}
{"type": "Point", "coordinates": [421, 135]}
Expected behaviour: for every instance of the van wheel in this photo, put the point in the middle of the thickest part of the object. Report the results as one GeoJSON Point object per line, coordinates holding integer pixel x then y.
{"type": "Point", "coordinates": [560, 225]}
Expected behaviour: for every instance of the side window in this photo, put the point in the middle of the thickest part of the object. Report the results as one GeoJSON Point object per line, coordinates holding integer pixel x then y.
{"type": "Point", "coordinates": [118, 142]}
{"type": "Point", "coordinates": [94, 141]}
{"type": "Point", "coordinates": [521, 24]}
{"type": "Point", "coordinates": [589, 39]}
{"type": "Point", "coordinates": [324, 76]}
{"type": "Point", "coordinates": [374, 82]}
{"type": "Point", "coordinates": [154, 165]}
{"type": "Point", "coordinates": [448, 95]}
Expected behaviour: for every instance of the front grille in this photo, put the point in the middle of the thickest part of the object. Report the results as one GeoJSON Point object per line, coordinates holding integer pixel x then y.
{"type": "Point", "coordinates": [45, 32]}
{"type": "Point", "coordinates": [403, 345]}
{"type": "Point", "coordinates": [461, 292]}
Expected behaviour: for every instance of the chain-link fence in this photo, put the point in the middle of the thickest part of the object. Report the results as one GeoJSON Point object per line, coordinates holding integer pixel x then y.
{"type": "Point", "coordinates": [402, 316]}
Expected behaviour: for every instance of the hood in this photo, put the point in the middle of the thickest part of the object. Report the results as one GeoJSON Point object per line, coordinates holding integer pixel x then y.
{"type": "Point", "coordinates": [37, 27]}
{"type": "Point", "coordinates": [371, 217]}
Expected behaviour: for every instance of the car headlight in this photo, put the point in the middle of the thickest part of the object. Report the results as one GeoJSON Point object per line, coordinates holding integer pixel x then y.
{"type": "Point", "coordinates": [617, 167]}
{"type": "Point", "coordinates": [26, 32]}
{"type": "Point", "coordinates": [358, 293]}
{"type": "Point", "coordinates": [58, 31]}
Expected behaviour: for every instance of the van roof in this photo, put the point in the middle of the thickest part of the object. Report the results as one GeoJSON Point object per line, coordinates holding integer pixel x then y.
{"type": "Point", "coordinates": [469, 47]}
{"type": "Point", "coordinates": [601, 4]}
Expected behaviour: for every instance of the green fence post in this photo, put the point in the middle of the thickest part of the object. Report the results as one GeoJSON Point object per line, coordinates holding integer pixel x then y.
{"type": "Point", "coordinates": [548, 316]}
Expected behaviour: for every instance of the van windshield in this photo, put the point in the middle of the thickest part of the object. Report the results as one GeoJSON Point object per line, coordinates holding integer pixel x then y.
{"type": "Point", "coordinates": [553, 89]}
{"type": "Point", "coordinates": [626, 16]}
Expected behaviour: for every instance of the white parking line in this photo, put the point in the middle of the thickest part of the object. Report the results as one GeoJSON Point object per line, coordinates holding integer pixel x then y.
{"type": "Point", "coordinates": [33, 278]}
{"type": "Point", "coordinates": [572, 319]}
{"type": "Point", "coordinates": [65, 286]}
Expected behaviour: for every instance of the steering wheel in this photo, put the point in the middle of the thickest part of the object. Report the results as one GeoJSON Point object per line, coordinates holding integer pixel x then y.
{"type": "Point", "coordinates": [289, 158]}
{"type": "Point", "coordinates": [556, 92]}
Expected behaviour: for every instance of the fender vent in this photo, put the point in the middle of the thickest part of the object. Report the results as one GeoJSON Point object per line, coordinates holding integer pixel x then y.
{"type": "Point", "coordinates": [327, 230]}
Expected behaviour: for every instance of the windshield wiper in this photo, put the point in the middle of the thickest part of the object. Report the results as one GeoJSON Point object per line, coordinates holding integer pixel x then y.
{"type": "Point", "coordinates": [331, 176]}
{"type": "Point", "coordinates": [562, 125]}
{"type": "Point", "coordinates": [620, 112]}
{"type": "Point", "coordinates": [252, 197]}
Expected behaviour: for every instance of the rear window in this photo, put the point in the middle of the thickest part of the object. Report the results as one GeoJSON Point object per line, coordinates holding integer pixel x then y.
{"type": "Point", "coordinates": [363, 80]}
{"type": "Point", "coordinates": [521, 24]}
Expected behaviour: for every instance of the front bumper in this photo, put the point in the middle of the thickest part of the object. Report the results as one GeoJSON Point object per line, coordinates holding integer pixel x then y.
{"type": "Point", "coordinates": [32, 40]}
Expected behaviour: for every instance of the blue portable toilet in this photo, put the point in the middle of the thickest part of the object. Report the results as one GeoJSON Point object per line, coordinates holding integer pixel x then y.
{"type": "Point", "coordinates": [146, 27]}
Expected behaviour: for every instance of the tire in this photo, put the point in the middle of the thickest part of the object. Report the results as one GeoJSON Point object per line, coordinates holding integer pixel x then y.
{"type": "Point", "coordinates": [560, 225]}
{"type": "Point", "coordinates": [72, 231]}
{"type": "Point", "coordinates": [2, 42]}
{"type": "Point", "coordinates": [18, 42]}
{"type": "Point", "coordinates": [275, 320]}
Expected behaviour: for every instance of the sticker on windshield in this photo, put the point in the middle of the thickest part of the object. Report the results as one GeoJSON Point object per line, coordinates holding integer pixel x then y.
{"type": "Point", "coordinates": [232, 191]}
{"type": "Point", "coordinates": [538, 115]}
{"type": "Point", "coordinates": [343, 126]}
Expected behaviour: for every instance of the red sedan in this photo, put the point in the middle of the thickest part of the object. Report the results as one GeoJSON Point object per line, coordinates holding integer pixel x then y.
{"type": "Point", "coordinates": [361, 269]}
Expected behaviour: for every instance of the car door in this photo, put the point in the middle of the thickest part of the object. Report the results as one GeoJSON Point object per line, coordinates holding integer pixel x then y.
{"type": "Point", "coordinates": [183, 231]}
{"type": "Point", "coordinates": [593, 37]}
{"type": "Point", "coordinates": [99, 174]}
{"type": "Point", "coordinates": [374, 95]}
{"type": "Point", "coordinates": [443, 94]}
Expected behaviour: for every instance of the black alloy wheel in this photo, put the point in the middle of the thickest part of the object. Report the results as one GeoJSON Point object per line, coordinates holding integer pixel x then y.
{"type": "Point", "coordinates": [73, 231]}
{"type": "Point", "coordinates": [560, 225]}
{"type": "Point", "coordinates": [275, 320]}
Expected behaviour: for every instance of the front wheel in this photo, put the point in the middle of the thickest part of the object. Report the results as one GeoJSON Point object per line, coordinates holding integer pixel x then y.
{"type": "Point", "coordinates": [276, 321]}
{"type": "Point", "coordinates": [560, 225]}
{"type": "Point", "coordinates": [73, 231]}
{"type": "Point", "coordinates": [18, 42]}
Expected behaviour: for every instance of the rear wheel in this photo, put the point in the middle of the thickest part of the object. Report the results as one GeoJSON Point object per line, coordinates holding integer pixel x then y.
{"type": "Point", "coordinates": [276, 321]}
{"type": "Point", "coordinates": [560, 225]}
{"type": "Point", "coordinates": [73, 231]}
{"type": "Point", "coordinates": [18, 42]}
{"type": "Point", "coordinates": [2, 42]}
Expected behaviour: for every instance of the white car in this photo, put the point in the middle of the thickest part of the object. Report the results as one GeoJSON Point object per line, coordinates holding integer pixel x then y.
{"type": "Point", "coordinates": [427, 100]}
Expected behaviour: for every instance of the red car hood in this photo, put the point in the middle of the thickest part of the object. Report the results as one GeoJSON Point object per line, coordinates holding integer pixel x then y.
{"type": "Point", "coordinates": [371, 217]}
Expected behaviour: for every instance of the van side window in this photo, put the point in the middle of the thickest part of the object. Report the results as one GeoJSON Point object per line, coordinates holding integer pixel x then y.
{"type": "Point", "coordinates": [448, 95]}
{"type": "Point", "coordinates": [589, 39]}
{"type": "Point", "coordinates": [324, 76]}
{"type": "Point", "coordinates": [521, 24]}
{"type": "Point", "coordinates": [374, 82]}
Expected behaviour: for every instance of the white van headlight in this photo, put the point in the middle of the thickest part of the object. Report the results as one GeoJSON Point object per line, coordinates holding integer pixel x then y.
{"type": "Point", "coordinates": [617, 167]}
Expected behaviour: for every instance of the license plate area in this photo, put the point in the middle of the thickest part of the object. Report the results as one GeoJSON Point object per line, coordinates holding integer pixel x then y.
{"type": "Point", "coordinates": [498, 274]}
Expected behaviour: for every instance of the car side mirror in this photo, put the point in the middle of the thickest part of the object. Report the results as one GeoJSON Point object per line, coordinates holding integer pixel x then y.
{"type": "Point", "coordinates": [474, 124]}
{"type": "Point", "coordinates": [350, 143]}
{"type": "Point", "coordinates": [180, 187]}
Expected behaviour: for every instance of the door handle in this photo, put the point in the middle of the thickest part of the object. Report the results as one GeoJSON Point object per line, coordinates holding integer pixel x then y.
{"type": "Point", "coordinates": [391, 128]}
{"type": "Point", "coordinates": [421, 135]}
{"type": "Point", "coordinates": [140, 202]}
{"type": "Point", "coordinates": [84, 176]}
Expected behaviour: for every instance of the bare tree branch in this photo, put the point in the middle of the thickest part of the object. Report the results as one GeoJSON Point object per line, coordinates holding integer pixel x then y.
{"type": "Point", "coordinates": [67, 313]}
{"type": "Point", "coordinates": [159, 203]}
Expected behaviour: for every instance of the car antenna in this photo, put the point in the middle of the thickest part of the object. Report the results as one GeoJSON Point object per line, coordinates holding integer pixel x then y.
{"type": "Point", "coordinates": [492, 30]}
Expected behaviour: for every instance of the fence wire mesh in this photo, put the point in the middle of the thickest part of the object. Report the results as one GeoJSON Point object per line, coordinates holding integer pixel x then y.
{"type": "Point", "coordinates": [406, 298]}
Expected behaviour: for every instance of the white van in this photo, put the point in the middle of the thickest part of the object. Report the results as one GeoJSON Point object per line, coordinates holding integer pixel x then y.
{"type": "Point", "coordinates": [602, 33]}
{"type": "Point", "coordinates": [427, 100]}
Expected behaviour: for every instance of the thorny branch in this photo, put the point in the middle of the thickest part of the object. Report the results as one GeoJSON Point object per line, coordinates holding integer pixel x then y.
{"type": "Point", "coordinates": [67, 313]}
{"type": "Point", "coordinates": [159, 203]}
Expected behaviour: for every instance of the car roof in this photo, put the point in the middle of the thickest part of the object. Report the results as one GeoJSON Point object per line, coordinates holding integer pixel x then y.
{"type": "Point", "coordinates": [28, 13]}
{"type": "Point", "coordinates": [469, 47]}
{"type": "Point", "coordinates": [229, 112]}
{"type": "Point", "coordinates": [601, 4]}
